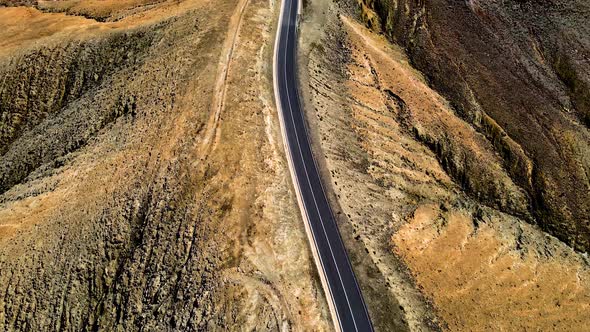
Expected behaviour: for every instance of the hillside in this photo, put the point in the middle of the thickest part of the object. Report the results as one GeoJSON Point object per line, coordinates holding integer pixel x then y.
{"type": "Point", "coordinates": [143, 183]}
{"type": "Point", "coordinates": [457, 158]}
{"type": "Point", "coordinates": [518, 72]}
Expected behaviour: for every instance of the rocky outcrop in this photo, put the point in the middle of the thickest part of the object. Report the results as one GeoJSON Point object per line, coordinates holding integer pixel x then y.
{"type": "Point", "coordinates": [9, 3]}
{"type": "Point", "coordinates": [38, 84]}
{"type": "Point", "coordinates": [517, 73]}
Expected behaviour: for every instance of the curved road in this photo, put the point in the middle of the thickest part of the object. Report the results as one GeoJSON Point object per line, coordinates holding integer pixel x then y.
{"type": "Point", "coordinates": [348, 309]}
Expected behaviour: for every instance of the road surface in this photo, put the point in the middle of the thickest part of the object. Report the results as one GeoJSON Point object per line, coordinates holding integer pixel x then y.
{"type": "Point", "coordinates": [345, 299]}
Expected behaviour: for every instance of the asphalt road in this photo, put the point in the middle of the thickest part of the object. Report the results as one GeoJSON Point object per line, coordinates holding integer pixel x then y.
{"type": "Point", "coordinates": [347, 305]}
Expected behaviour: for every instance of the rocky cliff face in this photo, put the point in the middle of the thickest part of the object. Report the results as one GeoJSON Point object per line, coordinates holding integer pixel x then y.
{"type": "Point", "coordinates": [519, 73]}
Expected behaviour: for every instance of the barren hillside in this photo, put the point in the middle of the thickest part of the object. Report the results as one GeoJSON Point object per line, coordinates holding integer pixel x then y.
{"type": "Point", "coordinates": [143, 185]}
{"type": "Point", "coordinates": [519, 73]}
{"type": "Point", "coordinates": [460, 177]}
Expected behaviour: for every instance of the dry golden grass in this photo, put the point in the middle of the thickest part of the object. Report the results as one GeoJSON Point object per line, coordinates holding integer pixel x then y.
{"type": "Point", "coordinates": [22, 26]}
{"type": "Point", "coordinates": [479, 282]}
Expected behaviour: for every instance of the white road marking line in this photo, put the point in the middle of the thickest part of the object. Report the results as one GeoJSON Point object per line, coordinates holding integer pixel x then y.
{"type": "Point", "coordinates": [295, 177]}
{"type": "Point", "coordinates": [309, 182]}
{"type": "Point", "coordinates": [339, 237]}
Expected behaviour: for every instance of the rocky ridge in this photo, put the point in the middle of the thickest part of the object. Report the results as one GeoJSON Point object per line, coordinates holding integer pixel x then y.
{"type": "Point", "coordinates": [517, 72]}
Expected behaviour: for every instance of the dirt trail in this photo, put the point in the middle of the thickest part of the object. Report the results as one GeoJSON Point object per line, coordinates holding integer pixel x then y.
{"type": "Point", "coordinates": [218, 102]}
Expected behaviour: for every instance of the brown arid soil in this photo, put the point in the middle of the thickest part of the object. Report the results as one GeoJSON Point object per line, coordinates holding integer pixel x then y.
{"type": "Point", "coordinates": [518, 72]}
{"type": "Point", "coordinates": [143, 181]}
{"type": "Point", "coordinates": [431, 210]}
{"type": "Point", "coordinates": [100, 10]}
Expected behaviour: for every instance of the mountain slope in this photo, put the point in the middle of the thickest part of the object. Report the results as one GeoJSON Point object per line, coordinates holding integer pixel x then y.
{"type": "Point", "coordinates": [143, 181]}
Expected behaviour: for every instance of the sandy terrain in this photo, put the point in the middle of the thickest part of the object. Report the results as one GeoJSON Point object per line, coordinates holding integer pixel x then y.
{"type": "Point", "coordinates": [101, 10]}
{"type": "Point", "coordinates": [483, 277]}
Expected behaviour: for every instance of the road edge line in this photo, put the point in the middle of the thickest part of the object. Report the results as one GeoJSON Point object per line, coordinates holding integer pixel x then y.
{"type": "Point", "coordinates": [286, 146]}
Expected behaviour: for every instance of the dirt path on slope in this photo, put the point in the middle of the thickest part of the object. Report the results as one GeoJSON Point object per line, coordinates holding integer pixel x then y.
{"type": "Point", "coordinates": [218, 102]}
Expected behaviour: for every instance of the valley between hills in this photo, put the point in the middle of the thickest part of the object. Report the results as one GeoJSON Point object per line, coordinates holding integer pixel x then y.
{"type": "Point", "coordinates": [144, 184]}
